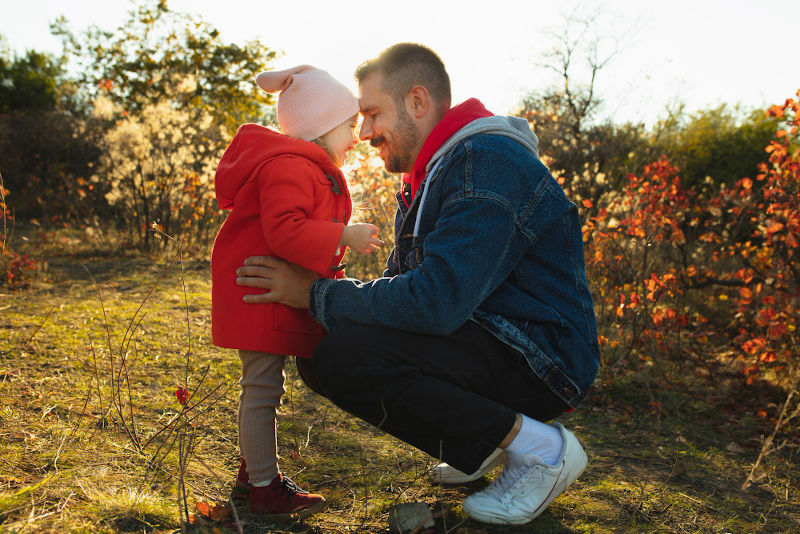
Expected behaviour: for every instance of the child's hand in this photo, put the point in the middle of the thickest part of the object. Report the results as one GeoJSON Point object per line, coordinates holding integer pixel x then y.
{"type": "Point", "coordinates": [361, 237]}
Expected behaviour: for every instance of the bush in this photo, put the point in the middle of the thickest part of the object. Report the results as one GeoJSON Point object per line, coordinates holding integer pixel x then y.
{"type": "Point", "coordinates": [14, 267]}
{"type": "Point", "coordinates": [158, 167]}
{"type": "Point", "coordinates": [684, 272]}
{"type": "Point", "coordinates": [48, 159]}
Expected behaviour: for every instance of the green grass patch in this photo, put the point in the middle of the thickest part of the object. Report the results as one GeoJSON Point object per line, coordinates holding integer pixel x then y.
{"type": "Point", "coordinates": [93, 439]}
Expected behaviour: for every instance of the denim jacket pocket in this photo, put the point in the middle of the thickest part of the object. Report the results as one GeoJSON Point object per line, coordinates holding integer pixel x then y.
{"type": "Point", "coordinates": [549, 330]}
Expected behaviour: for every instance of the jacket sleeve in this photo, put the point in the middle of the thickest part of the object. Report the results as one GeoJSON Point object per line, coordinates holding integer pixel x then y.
{"type": "Point", "coordinates": [287, 195]}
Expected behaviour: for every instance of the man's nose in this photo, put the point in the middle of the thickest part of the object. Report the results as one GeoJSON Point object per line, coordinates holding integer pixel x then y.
{"type": "Point", "coordinates": [365, 133]}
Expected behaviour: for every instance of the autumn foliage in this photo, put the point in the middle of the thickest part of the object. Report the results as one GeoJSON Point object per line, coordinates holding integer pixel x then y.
{"type": "Point", "coordinates": [685, 274]}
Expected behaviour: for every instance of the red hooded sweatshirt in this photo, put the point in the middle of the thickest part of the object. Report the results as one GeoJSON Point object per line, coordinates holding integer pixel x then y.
{"type": "Point", "coordinates": [456, 118]}
{"type": "Point", "coordinates": [287, 199]}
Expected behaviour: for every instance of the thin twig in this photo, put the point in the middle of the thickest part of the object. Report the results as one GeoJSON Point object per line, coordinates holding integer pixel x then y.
{"type": "Point", "coordinates": [765, 449]}
{"type": "Point", "coordinates": [96, 373]}
{"type": "Point", "coordinates": [115, 401]}
{"type": "Point", "coordinates": [179, 255]}
{"type": "Point", "coordinates": [53, 307]}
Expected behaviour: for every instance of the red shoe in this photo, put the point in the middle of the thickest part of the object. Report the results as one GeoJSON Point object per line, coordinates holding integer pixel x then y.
{"type": "Point", "coordinates": [283, 498]}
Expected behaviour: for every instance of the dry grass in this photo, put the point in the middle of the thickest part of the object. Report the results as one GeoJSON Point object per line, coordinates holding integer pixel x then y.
{"type": "Point", "coordinates": [90, 445]}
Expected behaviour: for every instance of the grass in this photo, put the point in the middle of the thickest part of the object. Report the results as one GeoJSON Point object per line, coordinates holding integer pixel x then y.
{"type": "Point", "coordinates": [88, 444]}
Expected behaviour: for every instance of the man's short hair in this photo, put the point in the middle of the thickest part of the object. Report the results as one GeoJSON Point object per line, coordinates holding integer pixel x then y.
{"type": "Point", "coordinates": [405, 65]}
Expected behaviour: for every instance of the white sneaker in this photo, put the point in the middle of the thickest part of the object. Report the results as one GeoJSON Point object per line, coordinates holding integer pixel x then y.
{"type": "Point", "coordinates": [444, 473]}
{"type": "Point", "coordinates": [527, 486]}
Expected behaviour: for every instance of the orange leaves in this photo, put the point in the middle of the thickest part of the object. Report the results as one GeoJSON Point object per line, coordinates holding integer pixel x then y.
{"type": "Point", "coordinates": [745, 275]}
{"type": "Point", "coordinates": [657, 284]}
{"type": "Point", "coordinates": [215, 511]}
{"type": "Point", "coordinates": [775, 111]}
{"type": "Point", "coordinates": [657, 204]}
{"type": "Point", "coordinates": [753, 346]}
{"type": "Point", "coordinates": [746, 293]}
{"type": "Point", "coordinates": [210, 511]}
{"type": "Point", "coordinates": [671, 267]}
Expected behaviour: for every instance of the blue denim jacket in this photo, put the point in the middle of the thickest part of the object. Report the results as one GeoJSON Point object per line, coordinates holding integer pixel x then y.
{"type": "Point", "coordinates": [496, 242]}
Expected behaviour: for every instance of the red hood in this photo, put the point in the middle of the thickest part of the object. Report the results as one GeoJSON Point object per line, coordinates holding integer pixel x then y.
{"type": "Point", "coordinates": [452, 121]}
{"type": "Point", "coordinates": [252, 146]}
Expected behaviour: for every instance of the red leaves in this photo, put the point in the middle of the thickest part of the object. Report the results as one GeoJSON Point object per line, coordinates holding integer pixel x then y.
{"type": "Point", "coordinates": [669, 264]}
{"type": "Point", "coordinates": [182, 395]}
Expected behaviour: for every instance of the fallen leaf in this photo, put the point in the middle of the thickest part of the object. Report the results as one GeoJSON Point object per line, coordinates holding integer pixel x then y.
{"type": "Point", "coordinates": [214, 510]}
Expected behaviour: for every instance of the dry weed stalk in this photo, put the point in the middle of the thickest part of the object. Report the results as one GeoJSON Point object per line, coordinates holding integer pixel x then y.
{"type": "Point", "coordinates": [787, 414]}
{"type": "Point", "coordinates": [178, 433]}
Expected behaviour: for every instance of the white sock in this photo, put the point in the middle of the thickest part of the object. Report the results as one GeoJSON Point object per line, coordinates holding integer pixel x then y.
{"type": "Point", "coordinates": [537, 439]}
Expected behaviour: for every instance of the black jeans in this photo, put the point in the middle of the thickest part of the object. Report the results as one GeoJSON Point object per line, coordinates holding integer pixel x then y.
{"type": "Point", "coordinates": [455, 397]}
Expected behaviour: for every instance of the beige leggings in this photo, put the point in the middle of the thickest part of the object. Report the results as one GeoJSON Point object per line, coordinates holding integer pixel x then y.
{"type": "Point", "coordinates": [262, 388]}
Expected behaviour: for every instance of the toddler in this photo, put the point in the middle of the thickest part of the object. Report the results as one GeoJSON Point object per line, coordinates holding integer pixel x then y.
{"type": "Point", "coordinates": [288, 198]}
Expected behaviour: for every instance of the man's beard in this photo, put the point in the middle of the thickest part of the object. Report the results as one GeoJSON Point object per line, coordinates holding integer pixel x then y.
{"type": "Point", "coordinates": [399, 159]}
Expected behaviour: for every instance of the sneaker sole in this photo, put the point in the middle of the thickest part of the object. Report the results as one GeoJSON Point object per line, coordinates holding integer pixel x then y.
{"type": "Point", "coordinates": [451, 475]}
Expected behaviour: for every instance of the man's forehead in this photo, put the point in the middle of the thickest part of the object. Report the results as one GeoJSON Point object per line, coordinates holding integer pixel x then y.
{"type": "Point", "coordinates": [370, 92]}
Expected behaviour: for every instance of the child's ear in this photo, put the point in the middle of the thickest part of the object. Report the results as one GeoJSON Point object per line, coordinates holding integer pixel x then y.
{"type": "Point", "coordinates": [418, 101]}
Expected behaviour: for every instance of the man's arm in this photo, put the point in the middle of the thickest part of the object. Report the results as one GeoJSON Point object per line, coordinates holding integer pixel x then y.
{"type": "Point", "coordinates": [465, 260]}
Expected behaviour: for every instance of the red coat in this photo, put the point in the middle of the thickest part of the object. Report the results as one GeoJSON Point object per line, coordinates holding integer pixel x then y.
{"type": "Point", "coordinates": [287, 199]}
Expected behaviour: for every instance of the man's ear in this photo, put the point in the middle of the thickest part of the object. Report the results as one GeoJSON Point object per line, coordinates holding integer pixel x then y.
{"type": "Point", "coordinates": [418, 102]}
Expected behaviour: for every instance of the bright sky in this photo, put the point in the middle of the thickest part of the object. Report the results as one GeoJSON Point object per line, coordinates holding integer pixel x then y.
{"type": "Point", "coordinates": [701, 52]}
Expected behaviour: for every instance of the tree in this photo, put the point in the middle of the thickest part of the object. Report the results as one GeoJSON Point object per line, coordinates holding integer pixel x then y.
{"type": "Point", "coordinates": [159, 165]}
{"type": "Point", "coordinates": [587, 156]}
{"type": "Point", "coordinates": [722, 144]}
{"type": "Point", "coordinates": [168, 94]}
{"type": "Point", "coordinates": [29, 82]}
{"type": "Point", "coordinates": [47, 158]}
{"type": "Point", "coordinates": [140, 63]}
{"type": "Point", "coordinates": [46, 150]}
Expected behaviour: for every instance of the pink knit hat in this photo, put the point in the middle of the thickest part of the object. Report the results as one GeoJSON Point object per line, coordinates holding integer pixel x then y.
{"type": "Point", "coordinates": [311, 103]}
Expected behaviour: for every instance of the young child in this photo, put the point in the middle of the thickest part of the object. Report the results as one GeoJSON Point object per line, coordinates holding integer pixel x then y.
{"type": "Point", "coordinates": [289, 199]}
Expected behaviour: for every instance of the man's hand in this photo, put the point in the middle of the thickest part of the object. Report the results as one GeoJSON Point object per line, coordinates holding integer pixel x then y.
{"type": "Point", "coordinates": [287, 283]}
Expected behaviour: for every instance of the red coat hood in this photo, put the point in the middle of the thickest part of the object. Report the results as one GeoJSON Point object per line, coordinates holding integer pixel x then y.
{"type": "Point", "coordinates": [254, 145]}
